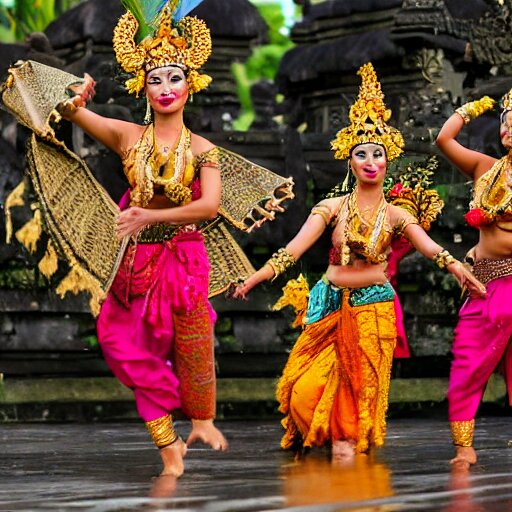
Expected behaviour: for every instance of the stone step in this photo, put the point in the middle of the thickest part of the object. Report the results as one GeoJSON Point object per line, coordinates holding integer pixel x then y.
{"type": "Point", "coordinates": [104, 398]}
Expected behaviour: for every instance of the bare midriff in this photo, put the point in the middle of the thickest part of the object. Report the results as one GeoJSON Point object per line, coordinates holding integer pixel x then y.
{"type": "Point", "coordinates": [357, 275]}
{"type": "Point", "coordinates": [158, 202]}
{"type": "Point", "coordinates": [495, 242]}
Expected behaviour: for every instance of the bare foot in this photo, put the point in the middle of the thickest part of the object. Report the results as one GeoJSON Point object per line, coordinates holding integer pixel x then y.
{"type": "Point", "coordinates": [465, 456]}
{"type": "Point", "coordinates": [343, 451]}
{"type": "Point", "coordinates": [172, 458]}
{"type": "Point", "coordinates": [208, 433]}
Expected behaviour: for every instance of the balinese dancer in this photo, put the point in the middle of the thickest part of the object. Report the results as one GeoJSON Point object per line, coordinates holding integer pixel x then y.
{"type": "Point", "coordinates": [155, 326]}
{"type": "Point", "coordinates": [334, 387]}
{"type": "Point", "coordinates": [482, 335]}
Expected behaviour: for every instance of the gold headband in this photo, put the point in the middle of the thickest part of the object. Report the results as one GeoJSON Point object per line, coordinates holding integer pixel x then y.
{"type": "Point", "coordinates": [186, 43]}
{"type": "Point", "coordinates": [368, 117]}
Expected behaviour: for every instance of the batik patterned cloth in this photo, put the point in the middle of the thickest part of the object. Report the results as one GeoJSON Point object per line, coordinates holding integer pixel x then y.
{"type": "Point", "coordinates": [156, 328]}
{"type": "Point", "coordinates": [335, 385]}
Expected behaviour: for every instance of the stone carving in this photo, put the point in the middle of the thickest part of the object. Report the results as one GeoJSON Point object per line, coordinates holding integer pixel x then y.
{"type": "Point", "coordinates": [490, 37]}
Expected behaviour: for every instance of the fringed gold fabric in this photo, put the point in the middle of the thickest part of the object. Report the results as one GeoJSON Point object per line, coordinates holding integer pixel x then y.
{"type": "Point", "coordinates": [79, 280]}
{"type": "Point", "coordinates": [335, 384]}
{"type": "Point", "coordinates": [251, 194]}
{"type": "Point", "coordinates": [295, 294]}
{"type": "Point", "coordinates": [50, 261]}
{"type": "Point", "coordinates": [30, 233]}
{"type": "Point", "coordinates": [228, 262]}
{"type": "Point", "coordinates": [162, 431]}
{"type": "Point", "coordinates": [462, 432]}
{"type": "Point", "coordinates": [77, 211]}
{"type": "Point", "coordinates": [15, 198]}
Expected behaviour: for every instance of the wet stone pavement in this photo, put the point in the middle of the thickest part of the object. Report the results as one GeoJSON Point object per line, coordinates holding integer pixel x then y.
{"type": "Point", "coordinates": [112, 467]}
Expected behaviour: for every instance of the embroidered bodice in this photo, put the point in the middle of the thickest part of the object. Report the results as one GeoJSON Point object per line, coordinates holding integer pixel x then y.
{"type": "Point", "coordinates": [492, 196]}
{"type": "Point", "coordinates": [152, 170]}
{"type": "Point", "coordinates": [367, 237]}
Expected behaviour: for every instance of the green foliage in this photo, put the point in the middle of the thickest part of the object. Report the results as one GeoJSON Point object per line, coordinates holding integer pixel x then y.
{"type": "Point", "coordinates": [263, 62]}
{"type": "Point", "coordinates": [21, 17]}
{"type": "Point", "coordinates": [414, 173]}
{"type": "Point", "coordinates": [91, 341]}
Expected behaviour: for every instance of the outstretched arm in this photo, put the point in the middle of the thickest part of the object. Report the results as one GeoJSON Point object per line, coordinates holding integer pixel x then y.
{"type": "Point", "coordinates": [308, 234]}
{"type": "Point", "coordinates": [112, 133]}
{"type": "Point", "coordinates": [132, 220]}
{"type": "Point", "coordinates": [426, 246]}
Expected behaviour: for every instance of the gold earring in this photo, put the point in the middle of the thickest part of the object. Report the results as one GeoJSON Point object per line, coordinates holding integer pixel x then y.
{"type": "Point", "coordinates": [346, 181]}
{"type": "Point", "coordinates": [147, 117]}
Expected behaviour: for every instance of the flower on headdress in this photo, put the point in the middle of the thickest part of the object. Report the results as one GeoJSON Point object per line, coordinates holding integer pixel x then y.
{"type": "Point", "coordinates": [476, 218]}
{"type": "Point", "coordinates": [398, 190]}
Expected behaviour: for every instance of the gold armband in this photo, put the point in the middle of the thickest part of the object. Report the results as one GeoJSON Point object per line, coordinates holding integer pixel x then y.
{"type": "Point", "coordinates": [324, 211]}
{"type": "Point", "coordinates": [162, 431]}
{"type": "Point", "coordinates": [476, 108]}
{"type": "Point", "coordinates": [280, 262]}
{"type": "Point", "coordinates": [443, 258]}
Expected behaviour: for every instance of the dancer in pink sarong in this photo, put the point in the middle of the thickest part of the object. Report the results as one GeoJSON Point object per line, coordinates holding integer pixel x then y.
{"type": "Point", "coordinates": [155, 327]}
{"type": "Point", "coordinates": [482, 336]}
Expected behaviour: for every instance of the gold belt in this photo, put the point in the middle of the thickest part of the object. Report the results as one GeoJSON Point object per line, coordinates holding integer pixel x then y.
{"type": "Point", "coordinates": [156, 233]}
{"type": "Point", "coordinates": [486, 270]}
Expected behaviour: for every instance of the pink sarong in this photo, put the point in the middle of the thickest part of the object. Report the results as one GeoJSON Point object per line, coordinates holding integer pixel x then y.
{"type": "Point", "coordinates": [481, 341]}
{"type": "Point", "coordinates": [156, 328]}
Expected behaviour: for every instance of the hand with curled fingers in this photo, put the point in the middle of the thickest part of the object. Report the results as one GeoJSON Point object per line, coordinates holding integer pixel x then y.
{"type": "Point", "coordinates": [467, 280]}
{"type": "Point", "coordinates": [132, 220]}
{"type": "Point", "coordinates": [83, 93]}
{"type": "Point", "coordinates": [265, 273]}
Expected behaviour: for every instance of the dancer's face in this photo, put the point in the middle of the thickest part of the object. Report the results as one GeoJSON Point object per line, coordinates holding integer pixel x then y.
{"type": "Point", "coordinates": [369, 163]}
{"type": "Point", "coordinates": [506, 129]}
{"type": "Point", "coordinates": [167, 89]}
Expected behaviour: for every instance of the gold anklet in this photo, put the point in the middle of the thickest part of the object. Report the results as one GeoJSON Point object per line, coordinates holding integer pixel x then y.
{"type": "Point", "coordinates": [462, 432]}
{"type": "Point", "coordinates": [162, 431]}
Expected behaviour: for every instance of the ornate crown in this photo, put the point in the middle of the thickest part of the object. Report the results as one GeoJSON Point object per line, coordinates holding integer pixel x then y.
{"type": "Point", "coordinates": [506, 101]}
{"type": "Point", "coordinates": [368, 116]}
{"type": "Point", "coordinates": [185, 43]}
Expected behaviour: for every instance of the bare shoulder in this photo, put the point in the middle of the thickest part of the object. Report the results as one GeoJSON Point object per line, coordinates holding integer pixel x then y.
{"type": "Point", "coordinates": [332, 202]}
{"type": "Point", "coordinates": [485, 164]}
{"type": "Point", "coordinates": [199, 144]}
{"type": "Point", "coordinates": [130, 134]}
{"type": "Point", "coordinates": [399, 215]}
{"type": "Point", "coordinates": [133, 131]}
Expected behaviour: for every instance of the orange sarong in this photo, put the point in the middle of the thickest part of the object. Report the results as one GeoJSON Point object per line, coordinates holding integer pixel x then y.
{"type": "Point", "coordinates": [335, 385]}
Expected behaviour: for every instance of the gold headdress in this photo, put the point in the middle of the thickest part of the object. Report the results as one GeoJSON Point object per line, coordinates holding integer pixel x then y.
{"type": "Point", "coordinates": [506, 101]}
{"type": "Point", "coordinates": [165, 38]}
{"type": "Point", "coordinates": [368, 117]}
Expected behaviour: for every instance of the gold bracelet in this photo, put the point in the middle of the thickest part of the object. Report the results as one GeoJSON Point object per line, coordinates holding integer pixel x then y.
{"type": "Point", "coordinates": [476, 108]}
{"type": "Point", "coordinates": [443, 258]}
{"type": "Point", "coordinates": [162, 431]}
{"type": "Point", "coordinates": [280, 262]}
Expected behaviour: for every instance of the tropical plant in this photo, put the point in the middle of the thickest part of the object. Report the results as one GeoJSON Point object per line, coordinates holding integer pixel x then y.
{"type": "Point", "coordinates": [263, 62]}
{"type": "Point", "coordinates": [18, 18]}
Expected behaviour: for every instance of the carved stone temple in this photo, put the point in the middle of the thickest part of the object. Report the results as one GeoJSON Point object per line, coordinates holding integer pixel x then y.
{"type": "Point", "coordinates": [430, 55]}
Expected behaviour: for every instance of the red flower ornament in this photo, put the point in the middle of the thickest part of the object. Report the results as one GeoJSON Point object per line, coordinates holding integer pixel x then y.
{"type": "Point", "coordinates": [477, 218]}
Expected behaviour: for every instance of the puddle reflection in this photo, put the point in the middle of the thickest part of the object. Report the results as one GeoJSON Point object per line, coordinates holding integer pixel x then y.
{"type": "Point", "coordinates": [462, 499]}
{"type": "Point", "coordinates": [314, 481]}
